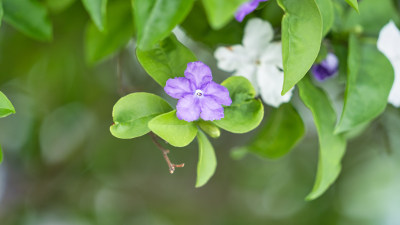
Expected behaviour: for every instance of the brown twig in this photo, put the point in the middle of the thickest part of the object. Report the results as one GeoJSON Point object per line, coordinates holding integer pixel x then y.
{"type": "Point", "coordinates": [165, 152]}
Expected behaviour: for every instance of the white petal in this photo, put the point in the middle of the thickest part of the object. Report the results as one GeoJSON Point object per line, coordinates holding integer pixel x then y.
{"type": "Point", "coordinates": [257, 35]}
{"type": "Point", "coordinates": [270, 81]}
{"type": "Point", "coordinates": [389, 45]}
{"type": "Point", "coordinates": [389, 41]}
{"type": "Point", "coordinates": [231, 58]}
{"type": "Point", "coordinates": [249, 71]}
{"type": "Point", "coordinates": [394, 96]}
{"type": "Point", "coordinates": [272, 54]}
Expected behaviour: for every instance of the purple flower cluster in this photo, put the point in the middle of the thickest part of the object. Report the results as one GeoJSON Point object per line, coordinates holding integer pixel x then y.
{"type": "Point", "coordinates": [326, 68]}
{"type": "Point", "coordinates": [199, 96]}
{"type": "Point", "coordinates": [246, 8]}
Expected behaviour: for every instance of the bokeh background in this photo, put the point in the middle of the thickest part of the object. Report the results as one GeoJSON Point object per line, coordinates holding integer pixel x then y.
{"type": "Point", "coordinates": [63, 167]}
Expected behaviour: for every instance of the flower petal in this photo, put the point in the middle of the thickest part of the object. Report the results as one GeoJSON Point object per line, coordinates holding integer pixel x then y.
{"type": "Point", "coordinates": [327, 68]}
{"type": "Point", "coordinates": [218, 92]}
{"type": "Point", "coordinates": [188, 108]}
{"type": "Point", "coordinates": [198, 73]}
{"type": "Point", "coordinates": [270, 81]}
{"type": "Point", "coordinates": [388, 41]}
{"type": "Point", "coordinates": [388, 44]}
{"type": "Point", "coordinates": [211, 109]}
{"type": "Point", "coordinates": [232, 58]}
{"type": "Point", "coordinates": [272, 54]}
{"type": "Point", "coordinates": [394, 96]}
{"type": "Point", "coordinates": [246, 8]}
{"type": "Point", "coordinates": [178, 87]}
{"type": "Point", "coordinates": [249, 71]}
{"type": "Point", "coordinates": [258, 34]}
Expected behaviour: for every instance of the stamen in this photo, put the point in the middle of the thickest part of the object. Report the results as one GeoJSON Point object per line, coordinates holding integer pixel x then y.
{"type": "Point", "coordinates": [199, 93]}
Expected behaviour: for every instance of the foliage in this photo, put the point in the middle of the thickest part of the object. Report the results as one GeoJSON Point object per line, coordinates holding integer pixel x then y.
{"type": "Point", "coordinates": [309, 29]}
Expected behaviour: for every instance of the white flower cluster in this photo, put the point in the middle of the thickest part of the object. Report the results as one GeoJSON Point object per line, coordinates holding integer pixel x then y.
{"type": "Point", "coordinates": [259, 60]}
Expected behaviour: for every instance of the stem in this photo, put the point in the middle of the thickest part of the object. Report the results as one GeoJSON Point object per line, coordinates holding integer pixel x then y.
{"type": "Point", "coordinates": [165, 152]}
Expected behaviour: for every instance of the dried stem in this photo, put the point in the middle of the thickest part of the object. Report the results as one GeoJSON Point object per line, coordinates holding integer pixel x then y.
{"type": "Point", "coordinates": [165, 152]}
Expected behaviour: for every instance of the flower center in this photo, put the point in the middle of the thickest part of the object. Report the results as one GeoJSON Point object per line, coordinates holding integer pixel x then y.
{"type": "Point", "coordinates": [198, 93]}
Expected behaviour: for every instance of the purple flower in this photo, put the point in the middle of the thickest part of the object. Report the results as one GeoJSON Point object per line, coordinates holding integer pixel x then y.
{"type": "Point", "coordinates": [327, 68]}
{"type": "Point", "coordinates": [198, 95]}
{"type": "Point", "coordinates": [246, 8]}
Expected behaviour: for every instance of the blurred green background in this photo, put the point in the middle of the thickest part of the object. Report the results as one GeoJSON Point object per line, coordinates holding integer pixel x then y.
{"type": "Point", "coordinates": [62, 166]}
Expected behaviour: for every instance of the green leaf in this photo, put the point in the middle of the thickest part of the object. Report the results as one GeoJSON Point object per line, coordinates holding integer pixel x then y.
{"type": "Point", "coordinates": [28, 16]}
{"type": "Point", "coordinates": [332, 147]}
{"type": "Point", "coordinates": [6, 108]}
{"type": "Point", "coordinates": [282, 132]}
{"type": "Point", "coordinates": [155, 19]}
{"type": "Point", "coordinates": [353, 4]}
{"type": "Point", "coordinates": [97, 11]}
{"type": "Point", "coordinates": [327, 13]}
{"type": "Point", "coordinates": [132, 113]}
{"type": "Point", "coordinates": [374, 15]}
{"type": "Point", "coordinates": [210, 129]}
{"type": "Point", "coordinates": [118, 31]}
{"type": "Point", "coordinates": [176, 132]}
{"type": "Point", "coordinates": [220, 12]}
{"type": "Point", "coordinates": [245, 113]}
{"type": "Point", "coordinates": [1, 11]}
{"type": "Point", "coordinates": [167, 60]}
{"type": "Point", "coordinates": [369, 81]}
{"type": "Point", "coordinates": [301, 39]}
{"type": "Point", "coordinates": [207, 160]}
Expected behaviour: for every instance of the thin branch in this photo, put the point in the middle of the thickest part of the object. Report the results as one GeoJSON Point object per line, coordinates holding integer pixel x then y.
{"type": "Point", "coordinates": [165, 152]}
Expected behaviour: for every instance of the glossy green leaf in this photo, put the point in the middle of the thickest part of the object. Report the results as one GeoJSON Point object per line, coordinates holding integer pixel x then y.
{"type": "Point", "coordinates": [374, 15]}
{"type": "Point", "coordinates": [245, 113]}
{"type": "Point", "coordinates": [207, 160]}
{"type": "Point", "coordinates": [132, 113]}
{"type": "Point", "coordinates": [220, 12]}
{"type": "Point", "coordinates": [166, 60]}
{"type": "Point", "coordinates": [327, 13]}
{"type": "Point", "coordinates": [155, 19]}
{"type": "Point", "coordinates": [301, 39]}
{"type": "Point", "coordinates": [28, 16]}
{"type": "Point", "coordinates": [118, 31]}
{"type": "Point", "coordinates": [209, 128]}
{"type": "Point", "coordinates": [369, 81]}
{"type": "Point", "coordinates": [281, 133]}
{"type": "Point", "coordinates": [353, 4]}
{"type": "Point", "coordinates": [1, 11]}
{"type": "Point", "coordinates": [97, 11]}
{"type": "Point", "coordinates": [176, 132]}
{"type": "Point", "coordinates": [332, 147]}
{"type": "Point", "coordinates": [6, 108]}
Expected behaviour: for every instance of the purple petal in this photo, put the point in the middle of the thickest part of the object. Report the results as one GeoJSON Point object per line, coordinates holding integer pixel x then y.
{"type": "Point", "coordinates": [188, 108]}
{"type": "Point", "coordinates": [246, 8]}
{"type": "Point", "coordinates": [218, 92]}
{"type": "Point", "coordinates": [198, 73]}
{"type": "Point", "coordinates": [211, 109]}
{"type": "Point", "coordinates": [178, 87]}
{"type": "Point", "coordinates": [327, 68]}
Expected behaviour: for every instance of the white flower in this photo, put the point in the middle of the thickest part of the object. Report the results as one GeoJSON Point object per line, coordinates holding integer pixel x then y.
{"type": "Point", "coordinates": [389, 45]}
{"type": "Point", "coordinates": [259, 60]}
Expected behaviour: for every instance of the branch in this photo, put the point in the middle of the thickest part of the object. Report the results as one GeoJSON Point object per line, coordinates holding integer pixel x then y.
{"type": "Point", "coordinates": [165, 152]}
